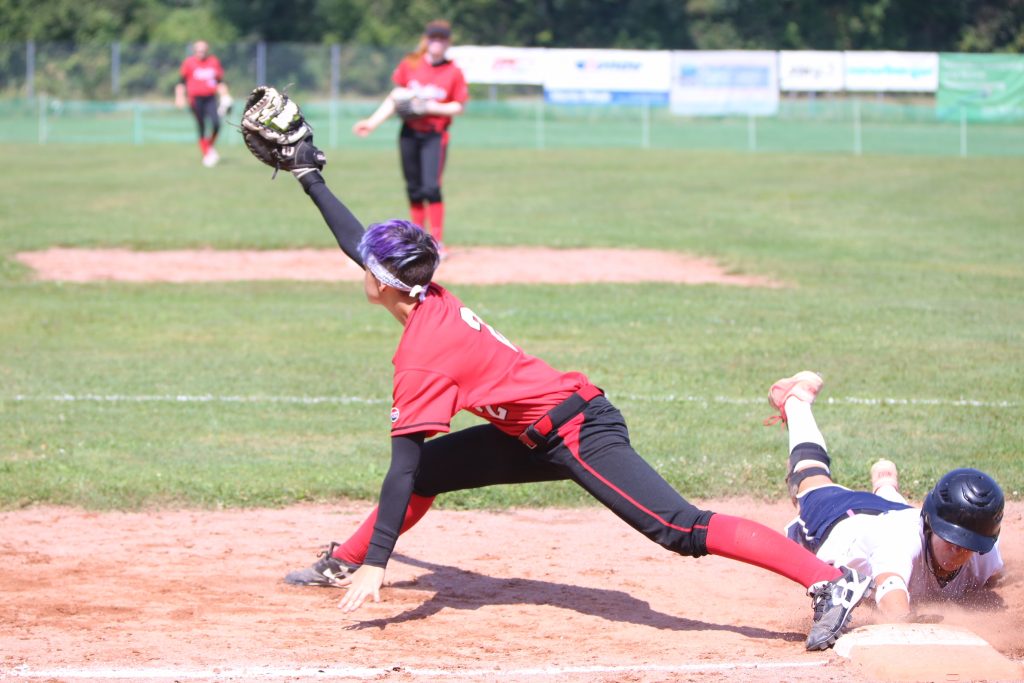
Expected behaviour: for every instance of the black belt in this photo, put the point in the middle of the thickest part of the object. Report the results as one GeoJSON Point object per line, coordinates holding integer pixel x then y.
{"type": "Point", "coordinates": [537, 433]}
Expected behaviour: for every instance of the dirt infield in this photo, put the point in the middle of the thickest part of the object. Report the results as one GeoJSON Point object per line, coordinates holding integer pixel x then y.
{"type": "Point", "coordinates": [524, 595]}
{"type": "Point", "coordinates": [465, 265]}
{"type": "Point", "coordinates": [530, 595]}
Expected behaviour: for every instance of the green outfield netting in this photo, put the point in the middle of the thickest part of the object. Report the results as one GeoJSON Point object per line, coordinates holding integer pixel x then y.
{"type": "Point", "coordinates": [840, 125]}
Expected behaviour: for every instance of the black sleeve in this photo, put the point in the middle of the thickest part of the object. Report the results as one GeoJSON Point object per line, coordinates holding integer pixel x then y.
{"type": "Point", "coordinates": [346, 228]}
{"type": "Point", "coordinates": [395, 493]}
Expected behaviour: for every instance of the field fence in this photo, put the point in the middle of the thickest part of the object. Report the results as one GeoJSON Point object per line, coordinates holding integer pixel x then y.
{"type": "Point", "coordinates": [119, 93]}
{"type": "Point", "coordinates": [117, 71]}
{"type": "Point", "coordinates": [842, 126]}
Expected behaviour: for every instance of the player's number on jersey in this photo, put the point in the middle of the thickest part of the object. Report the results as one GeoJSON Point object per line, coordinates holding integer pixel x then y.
{"type": "Point", "coordinates": [474, 321]}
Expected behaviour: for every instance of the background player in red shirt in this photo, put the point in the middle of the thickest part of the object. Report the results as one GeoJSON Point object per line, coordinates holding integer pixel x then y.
{"type": "Point", "coordinates": [202, 85]}
{"type": "Point", "coordinates": [541, 424]}
{"type": "Point", "coordinates": [431, 90]}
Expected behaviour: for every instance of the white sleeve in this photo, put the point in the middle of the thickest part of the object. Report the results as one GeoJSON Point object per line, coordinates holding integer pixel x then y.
{"type": "Point", "coordinates": [984, 567]}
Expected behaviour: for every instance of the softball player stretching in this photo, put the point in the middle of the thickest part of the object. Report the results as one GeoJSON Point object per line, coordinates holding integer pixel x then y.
{"type": "Point", "coordinates": [431, 90]}
{"type": "Point", "coordinates": [542, 424]}
{"type": "Point", "coordinates": [946, 551]}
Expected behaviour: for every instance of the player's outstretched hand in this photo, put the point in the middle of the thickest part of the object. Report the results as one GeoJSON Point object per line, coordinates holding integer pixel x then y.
{"type": "Point", "coordinates": [362, 128]}
{"type": "Point", "coordinates": [364, 584]}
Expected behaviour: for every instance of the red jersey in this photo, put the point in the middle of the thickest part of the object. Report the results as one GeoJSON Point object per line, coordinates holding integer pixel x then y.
{"type": "Point", "coordinates": [201, 76]}
{"type": "Point", "coordinates": [442, 82]}
{"type": "Point", "coordinates": [450, 360]}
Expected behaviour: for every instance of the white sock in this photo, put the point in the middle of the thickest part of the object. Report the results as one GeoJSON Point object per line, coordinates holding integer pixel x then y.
{"type": "Point", "coordinates": [802, 427]}
{"type": "Point", "coordinates": [889, 492]}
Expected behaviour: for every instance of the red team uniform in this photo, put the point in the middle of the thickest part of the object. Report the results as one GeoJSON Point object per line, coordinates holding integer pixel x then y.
{"type": "Point", "coordinates": [201, 76]}
{"type": "Point", "coordinates": [423, 141]}
{"type": "Point", "coordinates": [487, 374]}
{"type": "Point", "coordinates": [541, 425]}
{"type": "Point", "coordinates": [548, 424]}
{"type": "Point", "coordinates": [442, 82]}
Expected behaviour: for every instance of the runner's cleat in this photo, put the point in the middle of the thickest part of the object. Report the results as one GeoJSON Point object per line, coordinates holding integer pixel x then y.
{"type": "Point", "coordinates": [803, 385]}
{"type": "Point", "coordinates": [833, 603]}
{"type": "Point", "coordinates": [883, 473]}
{"type": "Point", "coordinates": [327, 571]}
{"type": "Point", "coordinates": [211, 158]}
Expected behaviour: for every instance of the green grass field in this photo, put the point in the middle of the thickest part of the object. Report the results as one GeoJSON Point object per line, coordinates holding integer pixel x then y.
{"type": "Point", "coordinates": [907, 276]}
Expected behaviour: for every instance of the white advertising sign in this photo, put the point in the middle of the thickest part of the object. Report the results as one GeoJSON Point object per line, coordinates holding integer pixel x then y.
{"type": "Point", "coordinates": [724, 82]}
{"type": "Point", "coordinates": [501, 65]}
{"type": "Point", "coordinates": [892, 71]}
{"type": "Point", "coordinates": [623, 70]}
{"type": "Point", "coordinates": [607, 76]}
{"type": "Point", "coordinates": [810, 71]}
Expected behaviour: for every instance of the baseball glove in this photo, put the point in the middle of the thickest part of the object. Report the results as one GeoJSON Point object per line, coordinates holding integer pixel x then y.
{"type": "Point", "coordinates": [407, 105]}
{"type": "Point", "coordinates": [274, 116]}
{"type": "Point", "coordinates": [224, 105]}
{"type": "Point", "coordinates": [276, 133]}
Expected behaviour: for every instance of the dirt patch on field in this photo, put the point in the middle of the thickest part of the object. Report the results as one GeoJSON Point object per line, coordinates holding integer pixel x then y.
{"type": "Point", "coordinates": [464, 265]}
{"type": "Point", "coordinates": [525, 595]}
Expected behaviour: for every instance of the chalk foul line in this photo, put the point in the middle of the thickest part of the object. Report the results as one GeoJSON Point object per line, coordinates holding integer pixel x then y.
{"type": "Point", "coordinates": [350, 672]}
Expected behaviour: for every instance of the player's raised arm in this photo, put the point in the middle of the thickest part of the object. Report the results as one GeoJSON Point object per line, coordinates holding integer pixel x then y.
{"type": "Point", "coordinates": [346, 227]}
{"type": "Point", "coordinates": [278, 135]}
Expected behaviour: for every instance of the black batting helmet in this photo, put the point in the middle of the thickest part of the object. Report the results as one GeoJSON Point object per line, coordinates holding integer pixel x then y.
{"type": "Point", "coordinates": [965, 508]}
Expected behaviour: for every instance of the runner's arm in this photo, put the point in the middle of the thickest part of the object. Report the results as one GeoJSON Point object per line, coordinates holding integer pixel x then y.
{"type": "Point", "coordinates": [892, 596]}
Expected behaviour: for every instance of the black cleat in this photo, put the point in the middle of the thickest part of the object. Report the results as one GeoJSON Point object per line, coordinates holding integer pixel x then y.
{"type": "Point", "coordinates": [833, 603]}
{"type": "Point", "coordinates": [327, 571]}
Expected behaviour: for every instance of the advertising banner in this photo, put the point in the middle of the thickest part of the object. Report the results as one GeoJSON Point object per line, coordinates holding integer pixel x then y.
{"type": "Point", "coordinates": [810, 71]}
{"type": "Point", "coordinates": [724, 82]}
{"type": "Point", "coordinates": [981, 87]}
{"type": "Point", "coordinates": [500, 65]}
{"type": "Point", "coordinates": [891, 71]}
{"type": "Point", "coordinates": [607, 76]}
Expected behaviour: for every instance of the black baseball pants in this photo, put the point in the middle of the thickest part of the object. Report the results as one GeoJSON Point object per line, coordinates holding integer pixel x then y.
{"type": "Point", "coordinates": [423, 157]}
{"type": "Point", "coordinates": [592, 449]}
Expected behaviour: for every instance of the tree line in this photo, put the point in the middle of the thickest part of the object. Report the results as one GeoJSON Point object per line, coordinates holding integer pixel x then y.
{"type": "Point", "coordinates": [917, 25]}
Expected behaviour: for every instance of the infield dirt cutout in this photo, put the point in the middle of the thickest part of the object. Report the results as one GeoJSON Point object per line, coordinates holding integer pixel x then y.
{"type": "Point", "coordinates": [464, 265]}
{"type": "Point", "coordinates": [524, 595]}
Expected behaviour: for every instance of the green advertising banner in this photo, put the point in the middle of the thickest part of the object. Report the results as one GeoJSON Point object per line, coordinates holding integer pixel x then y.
{"type": "Point", "coordinates": [980, 87]}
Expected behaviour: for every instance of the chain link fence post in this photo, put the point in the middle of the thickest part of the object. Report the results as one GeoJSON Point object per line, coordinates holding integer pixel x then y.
{"type": "Point", "coordinates": [963, 132]}
{"type": "Point", "coordinates": [335, 93]}
{"type": "Point", "coordinates": [858, 148]}
{"type": "Point", "coordinates": [30, 70]}
{"type": "Point", "coordinates": [115, 69]}
{"type": "Point", "coordinates": [261, 63]}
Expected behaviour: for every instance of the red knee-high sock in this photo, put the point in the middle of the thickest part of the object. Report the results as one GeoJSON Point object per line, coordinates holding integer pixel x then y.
{"type": "Point", "coordinates": [753, 543]}
{"type": "Point", "coordinates": [354, 549]}
{"type": "Point", "coordinates": [418, 214]}
{"type": "Point", "coordinates": [436, 211]}
{"type": "Point", "coordinates": [204, 146]}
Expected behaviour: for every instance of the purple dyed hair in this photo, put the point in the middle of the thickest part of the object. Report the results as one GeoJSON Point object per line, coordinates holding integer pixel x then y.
{"type": "Point", "coordinates": [404, 248]}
